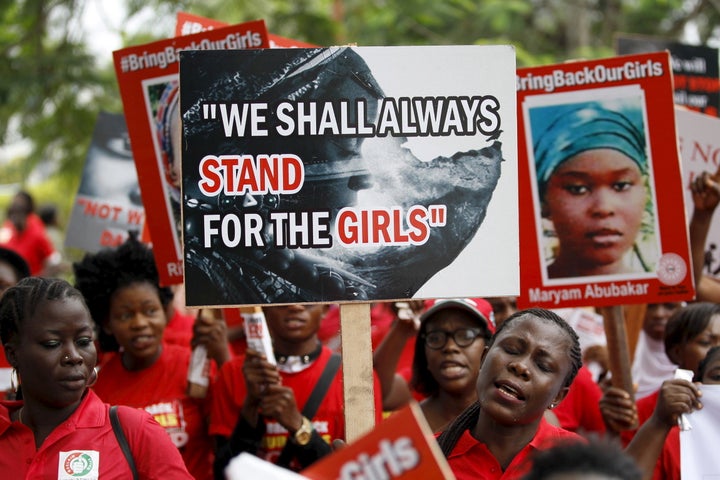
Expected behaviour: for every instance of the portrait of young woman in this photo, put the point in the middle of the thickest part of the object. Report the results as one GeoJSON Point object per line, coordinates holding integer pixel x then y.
{"type": "Point", "coordinates": [594, 189]}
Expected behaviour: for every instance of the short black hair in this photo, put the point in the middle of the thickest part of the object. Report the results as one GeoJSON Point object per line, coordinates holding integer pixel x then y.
{"type": "Point", "coordinates": [709, 357]}
{"type": "Point", "coordinates": [575, 352]}
{"type": "Point", "coordinates": [18, 264]}
{"type": "Point", "coordinates": [22, 300]}
{"type": "Point", "coordinates": [688, 322]}
{"type": "Point", "coordinates": [98, 276]}
{"type": "Point", "coordinates": [594, 456]}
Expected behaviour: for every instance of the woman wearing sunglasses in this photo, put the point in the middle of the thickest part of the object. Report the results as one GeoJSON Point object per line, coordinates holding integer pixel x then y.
{"type": "Point", "coordinates": [453, 334]}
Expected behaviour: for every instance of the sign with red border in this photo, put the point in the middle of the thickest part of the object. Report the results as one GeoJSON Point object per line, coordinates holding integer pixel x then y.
{"type": "Point", "coordinates": [400, 447]}
{"type": "Point", "coordinates": [148, 80]}
{"type": "Point", "coordinates": [602, 220]}
{"type": "Point", "coordinates": [188, 23]}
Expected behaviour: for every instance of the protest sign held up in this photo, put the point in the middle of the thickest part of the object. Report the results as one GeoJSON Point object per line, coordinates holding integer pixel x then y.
{"type": "Point", "coordinates": [348, 174]}
{"type": "Point", "coordinates": [148, 80]}
{"type": "Point", "coordinates": [696, 69]}
{"type": "Point", "coordinates": [700, 152]}
{"type": "Point", "coordinates": [401, 447]}
{"type": "Point", "coordinates": [108, 202]}
{"type": "Point", "coordinates": [600, 185]}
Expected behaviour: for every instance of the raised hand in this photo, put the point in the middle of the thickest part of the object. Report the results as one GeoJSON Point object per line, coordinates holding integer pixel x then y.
{"type": "Point", "coordinates": [706, 191]}
{"type": "Point", "coordinates": [210, 331]}
{"type": "Point", "coordinates": [259, 374]}
{"type": "Point", "coordinates": [676, 397]}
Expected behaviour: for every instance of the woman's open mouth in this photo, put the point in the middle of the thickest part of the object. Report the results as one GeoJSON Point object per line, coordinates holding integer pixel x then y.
{"type": "Point", "coordinates": [510, 390]}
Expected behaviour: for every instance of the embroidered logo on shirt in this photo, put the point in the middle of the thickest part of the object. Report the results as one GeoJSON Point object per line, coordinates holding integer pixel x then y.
{"type": "Point", "coordinates": [79, 464]}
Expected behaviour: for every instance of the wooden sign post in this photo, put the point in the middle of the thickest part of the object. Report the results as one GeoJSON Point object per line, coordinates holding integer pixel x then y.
{"type": "Point", "coordinates": [617, 345]}
{"type": "Point", "coordinates": [357, 370]}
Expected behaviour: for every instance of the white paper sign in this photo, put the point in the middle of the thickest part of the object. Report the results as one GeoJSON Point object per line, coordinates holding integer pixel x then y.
{"type": "Point", "coordinates": [246, 465]}
{"type": "Point", "coordinates": [699, 457]}
{"type": "Point", "coordinates": [700, 152]}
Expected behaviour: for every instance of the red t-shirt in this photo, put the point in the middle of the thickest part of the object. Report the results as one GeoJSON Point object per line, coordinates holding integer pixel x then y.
{"type": "Point", "coordinates": [160, 390]}
{"type": "Point", "coordinates": [329, 421]}
{"type": "Point", "coordinates": [3, 359]}
{"type": "Point", "coordinates": [32, 243]}
{"type": "Point", "coordinates": [580, 409]}
{"type": "Point", "coordinates": [88, 437]}
{"type": "Point", "coordinates": [668, 465]}
{"type": "Point", "coordinates": [646, 406]}
{"type": "Point", "coordinates": [472, 460]}
{"type": "Point", "coordinates": [179, 330]}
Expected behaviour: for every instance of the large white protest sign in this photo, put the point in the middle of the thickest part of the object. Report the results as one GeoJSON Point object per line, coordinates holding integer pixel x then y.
{"type": "Point", "coordinates": [699, 445]}
{"type": "Point", "coordinates": [349, 174]}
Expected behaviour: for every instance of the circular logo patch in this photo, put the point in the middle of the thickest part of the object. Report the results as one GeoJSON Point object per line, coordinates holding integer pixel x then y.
{"type": "Point", "coordinates": [78, 464]}
{"type": "Point", "coordinates": [671, 269]}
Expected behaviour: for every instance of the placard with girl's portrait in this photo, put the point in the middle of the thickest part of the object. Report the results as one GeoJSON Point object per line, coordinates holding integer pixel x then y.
{"type": "Point", "coordinates": [600, 185]}
{"type": "Point", "coordinates": [148, 80]}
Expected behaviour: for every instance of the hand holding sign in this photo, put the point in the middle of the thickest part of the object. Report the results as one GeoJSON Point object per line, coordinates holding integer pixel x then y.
{"type": "Point", "coordinates": [258, 374]}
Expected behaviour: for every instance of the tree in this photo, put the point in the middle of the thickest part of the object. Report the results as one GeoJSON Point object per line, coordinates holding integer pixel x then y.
{"type": "Point", "coordinates": [50, 88]}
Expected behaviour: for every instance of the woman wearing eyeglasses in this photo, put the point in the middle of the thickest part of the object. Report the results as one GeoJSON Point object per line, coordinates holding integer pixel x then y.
{"type": "Point", "coordinates": [453, 334]}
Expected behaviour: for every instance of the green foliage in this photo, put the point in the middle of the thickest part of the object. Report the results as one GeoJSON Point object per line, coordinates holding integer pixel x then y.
{"type": "Point", "coordinates": [49, 85]}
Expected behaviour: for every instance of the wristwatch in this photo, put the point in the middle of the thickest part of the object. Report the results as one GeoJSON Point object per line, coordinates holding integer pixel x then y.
{"type": "Point", "coordinates": [303, 434]}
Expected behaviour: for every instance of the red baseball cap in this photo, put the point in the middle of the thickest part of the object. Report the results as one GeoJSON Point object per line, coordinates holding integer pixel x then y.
{"type": "Point", "coordinates": [478, 307]}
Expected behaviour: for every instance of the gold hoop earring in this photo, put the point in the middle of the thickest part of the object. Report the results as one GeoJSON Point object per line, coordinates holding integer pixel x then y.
{"type": "Point", "coordinates": [14, 380]}
{"type": "Point", "coordinates": [93, 377]}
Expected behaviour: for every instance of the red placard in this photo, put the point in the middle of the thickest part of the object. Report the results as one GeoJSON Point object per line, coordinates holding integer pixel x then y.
{"type": "Point", "coordinates": [400, 447]}
{"type": "Point", "coordinates": [187, 24]}
{"type": "Point", "coordinates": [148, 80]}
{"type": "Point", "coordinates": [601, 197]}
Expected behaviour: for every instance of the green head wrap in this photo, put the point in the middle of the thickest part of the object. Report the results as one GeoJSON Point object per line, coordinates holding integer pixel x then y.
{"type": "Point", "coordinates": [588, 127]}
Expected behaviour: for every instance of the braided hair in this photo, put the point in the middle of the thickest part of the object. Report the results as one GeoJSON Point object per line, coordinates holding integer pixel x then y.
{"type": "Point", "coordinates": [469, 417]}
{"type": "Point", "coordinates": [22, 300]}
{"type": "Point", "coordinates": [98, 276]}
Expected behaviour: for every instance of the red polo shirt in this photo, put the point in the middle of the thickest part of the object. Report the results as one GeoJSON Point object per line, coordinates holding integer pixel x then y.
{"type": "Point", "coordinates": [472, 460]}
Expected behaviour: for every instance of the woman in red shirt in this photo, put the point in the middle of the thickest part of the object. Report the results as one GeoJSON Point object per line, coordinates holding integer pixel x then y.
{"type": "Point", "coordinates": [527, 368]}
{"type": "Point", "coordinates": [61, 429]}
